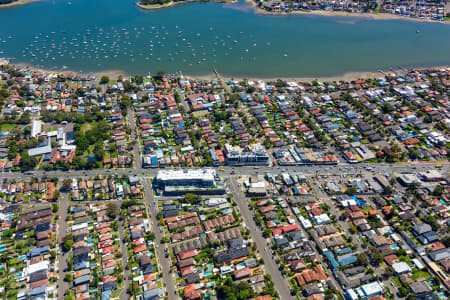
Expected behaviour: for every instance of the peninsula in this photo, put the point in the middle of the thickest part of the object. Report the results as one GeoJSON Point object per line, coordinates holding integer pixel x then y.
{"type": "Point", "coordinates": [10, 3]}
{"type": "Point", "coordinates": [158, 4]}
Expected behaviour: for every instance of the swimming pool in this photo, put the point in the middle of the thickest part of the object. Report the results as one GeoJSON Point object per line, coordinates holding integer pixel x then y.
{"type": "Point", "coordinates": [394, 246]}
{"type": "Point", "coordinates": [207, 273]}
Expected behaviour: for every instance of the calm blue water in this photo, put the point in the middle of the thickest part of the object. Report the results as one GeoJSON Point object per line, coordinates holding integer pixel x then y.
{"type": "Point", "coordinates": [197, 38]}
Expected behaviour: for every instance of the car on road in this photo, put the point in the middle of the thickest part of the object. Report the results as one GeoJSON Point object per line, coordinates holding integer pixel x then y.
{"type": "Point", "coordinates": [223, 170]}
{"type": "Point", "coordinates": [232, 172]}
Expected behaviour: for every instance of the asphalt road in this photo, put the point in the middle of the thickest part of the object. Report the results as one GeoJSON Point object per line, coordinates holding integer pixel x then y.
{"type": "Point", "coordinates": [134, 137]}
{"type": "Point", "coordinates": [281, 284]}
{"type": "Point", "coordinates": [163, 261]}
{"type": "Point", "coordinates": [341, 169]}
{"type": "Point", "coordinates": [126, 272]}
{"type": "Point", "coordinates": [62, 257]}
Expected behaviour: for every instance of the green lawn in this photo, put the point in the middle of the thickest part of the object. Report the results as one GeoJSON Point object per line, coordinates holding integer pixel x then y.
{"type": "Point", "coordinates": [420, 274]}
{"type": "Point", "coordinates": [7, 127]}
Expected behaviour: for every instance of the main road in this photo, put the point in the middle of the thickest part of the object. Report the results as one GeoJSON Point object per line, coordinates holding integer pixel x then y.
{"type": "Point", "coordinates": [281, 284]}
{"type": "Point", "coordinates": [341, 169]}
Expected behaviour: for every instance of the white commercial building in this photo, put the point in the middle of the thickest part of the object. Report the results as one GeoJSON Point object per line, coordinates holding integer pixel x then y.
{"type": "Point", "coordinates": [365, 292]}
{"type": "Point", "coordinates": [36, 126]}
{"type": "Point", "coordinates": [186, 177]}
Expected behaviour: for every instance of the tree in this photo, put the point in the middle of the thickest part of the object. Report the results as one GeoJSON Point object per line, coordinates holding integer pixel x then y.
{"type": "Point", "coordinates": [378, 258]}
{"type": "Point", "coordinates": [112, 210]}
{"type": "Point", "coordinates": [28, 162]}
{"type": "Point", "coordinates": [104, 79]}
{"type": "Point", "coordinates": [125, 101]}
{"type": "Point", "coordinates": [159, 76]}
{"type": "Point", "coordinates": [403, 291]}
{"type": "Point", "coordinates": [400, 252]}
{"type": "Point", "coordinates": [66, 185]}
{"type": "Point", "coordinates": [446, 241]}
{"type": "Point", "coordinates": [67, 245]}
{"type": "Point", "coordinates": [351, 190]}
{"type": "Point", "coordinates": [362, 259]}
{"type": "Point", "coordinates": [68, 277]}
{"type": "Point", "coordinates": [191, 198]}
{"type": "Point", "coordinates": [230, 290]}
{"type": "Point", "coordinates": [438, 190]}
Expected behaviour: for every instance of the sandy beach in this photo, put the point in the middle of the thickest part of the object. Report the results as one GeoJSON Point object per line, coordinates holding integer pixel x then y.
{"type": "Point", "coordinates": [348, 76]}
{"type": "Point", "coordinates": [373, 16]}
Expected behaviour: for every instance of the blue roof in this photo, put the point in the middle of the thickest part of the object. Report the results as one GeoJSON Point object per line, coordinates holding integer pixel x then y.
{"type": "Point", "coordinates": [343, 250]}
{"type": "Point", "coordinates": [331, 259]}
{"type": "Point", "coordinates": [36, 291]}
{"type": "Point", "coordinates": [38, 251]}
{"type": "Point", "coordinates": [348, 259]}
{"type": "Point", "coordinates": [106, 295]}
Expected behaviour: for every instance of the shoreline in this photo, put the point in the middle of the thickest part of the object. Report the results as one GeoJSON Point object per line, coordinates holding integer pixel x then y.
{"type": "Point", "coordinates": [173, 3]}
{"type": "Point", "coordinates": [17, 3]}
{"type": "Point", "coordinates": [370, 16]}
{"type": "Point", "coordinates": [346, 76]}
{"type": "Point", "coordinates": [259, 10]}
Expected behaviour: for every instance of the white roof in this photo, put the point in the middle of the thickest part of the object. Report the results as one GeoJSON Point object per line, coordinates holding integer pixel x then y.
{"type": "Point", "coordinates": [418, 264]}
{"type": "Point", "coordinates": [43, 265]}
{"type": "Point", "coordinates": [351, 294]}
{"type": "Point", "coordinates": [401, 267]}
{"type": "Point", "coordinates": [372, 288]}
{"type": "Point", "coordinates": [216, 201]}
{"type": "Point", "coordinates": [193, 174]}
{"type": "Point", "coordinates": [79, 226]}
{"type": "Point", "coordinates": [35, 128]}
{"type": "Point", "coordinates": [321, 219]}
{"type": "Point", "coordinates": [259, 184]}
{"type": "Point", "coordinates": [305, 222]}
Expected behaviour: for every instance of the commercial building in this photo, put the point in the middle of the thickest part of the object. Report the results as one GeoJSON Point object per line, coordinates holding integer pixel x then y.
{"type": "Point", "coordinates": [36, 126]}
{"type": "Point", "coordinates": [365, 291]}
{"type": "Point", "coordinates": [198, 181]}
{"type": "Point", "coordinates": [41, 150]}
{"type": "Point", "coordinates": [255, 155]}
